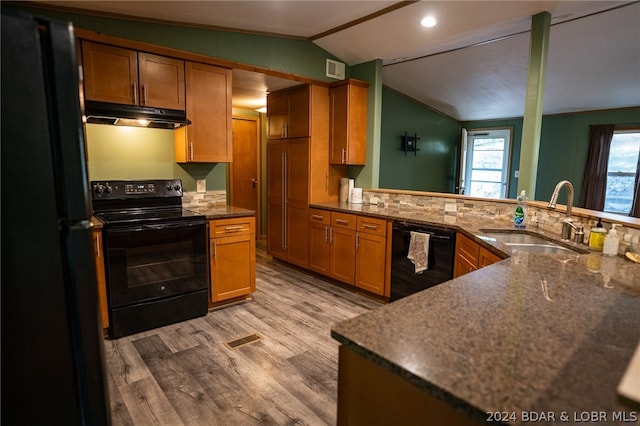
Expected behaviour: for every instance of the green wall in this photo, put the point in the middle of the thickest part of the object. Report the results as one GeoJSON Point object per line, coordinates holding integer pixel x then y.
{"type": "Point", "coordinates": [563, 147]}
{"type": "Point", "coordinates": [433, 168]}
{"type": "Point", "coordinates": [120, 152]}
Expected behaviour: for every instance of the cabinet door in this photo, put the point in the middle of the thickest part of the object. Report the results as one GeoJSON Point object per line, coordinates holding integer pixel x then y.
{"type": "Point", "coordinates": [467, 252]}
{"type": "Point", "coordinates": [161, 81]}
{"type": "Point", "coordinates": [348, 123]}
{"type": "Point", "coordinates": [297, 235]}
{"type": "Point", "coordinates": [208, 138]}
{"type": "Point", "coordinates": [276, 160]}
{"type": "Point", "coordinates": [231, 267]}
{"type": "Point", "coordinates": [277, 114]}
{"type": "Point", "coordinates": [370, 262]}
{"type": "Point", "coordinates": [343, 254]}
{"type": "Point", "coordinates": [297, 172]}
{"type": "Point", "coordinates": [487, 258]}
{"type": "Point", "coordinates": [110, 73]}
{"type": "Point", "coordinates": [102, 281]}
{"type": "Point", "coordinates": [319, 246]}
{"type": "Point", "coordinates": [298, 123]}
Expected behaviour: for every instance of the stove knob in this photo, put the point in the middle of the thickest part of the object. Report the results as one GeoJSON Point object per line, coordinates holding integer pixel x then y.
{"type": "Point", "coordinates": [107, 189]}
{"type": "Point", "coordinates": [99, 188]}
{"type": "Point", "coordinates": [177, 187]}
{"type": "Point", "coordinates": [169, 187]}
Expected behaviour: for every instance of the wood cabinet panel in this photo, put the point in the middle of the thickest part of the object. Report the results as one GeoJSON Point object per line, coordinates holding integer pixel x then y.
{"type": "Point", "coordinates": [319, 245]}
{"type": "Point", "coordinates": [348, 118]}
{"type": "Point", "coordinates": [371, 250]}
{"type": "Point", "coordinates": [471, 256]}
{"type": "Point", "coordinates": [161, 81]}
{"type": "Point", "coordinates": [343, 254]}
{"type": "Point", "coordinates": [233, 258]}
{"type": "Point", "coordinates": [110, 73]}
{"type": "Point", "coordinates": [297, 245]}
{"type": "Point", "coordinates": [124, 76]}
{"type": "Point", "coordinates": [209, 137]}
{"type": "Point", "coordinates": [101, 277]}
{"type": "Point", "coordinates": [288, 113]}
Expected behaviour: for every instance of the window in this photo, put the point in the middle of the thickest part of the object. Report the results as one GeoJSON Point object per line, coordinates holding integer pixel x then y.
{"type": "Point", "coordinates": [485, 163]}
{"type": "Point", "coordinates": [621, 171]}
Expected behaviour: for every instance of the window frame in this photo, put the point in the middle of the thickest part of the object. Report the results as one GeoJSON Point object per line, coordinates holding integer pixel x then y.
{"type": "Point", "coordinates": [620, 130]}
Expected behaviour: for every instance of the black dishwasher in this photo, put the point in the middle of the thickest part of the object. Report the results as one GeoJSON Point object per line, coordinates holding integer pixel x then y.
{"type": "Point", "coordinates": [404, 280]}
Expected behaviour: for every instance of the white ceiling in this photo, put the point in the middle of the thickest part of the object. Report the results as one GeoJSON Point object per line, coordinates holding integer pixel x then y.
{"type": "Point", "coordinates": [456, 67]}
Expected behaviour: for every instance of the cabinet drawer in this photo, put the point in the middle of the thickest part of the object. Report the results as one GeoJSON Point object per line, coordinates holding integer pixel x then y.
{"type": "Point", "coordinates": [320, 216]}
{"type": "Point", "coordinates": [235, 226]}
{"type": "Point", "coordinates": [343, 220]}
{"type": "Point", "coordinates": [372, 226]}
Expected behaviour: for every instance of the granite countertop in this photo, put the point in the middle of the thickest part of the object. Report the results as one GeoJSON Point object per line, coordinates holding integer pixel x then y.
{"type": "Point", "coordinates": [221, 211]}
{"type": "Point", "coordinates": [532, 333]}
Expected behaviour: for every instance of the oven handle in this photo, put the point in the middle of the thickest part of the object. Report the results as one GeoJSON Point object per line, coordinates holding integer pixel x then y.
{"type": "Point", "coordinates": [157, 226]}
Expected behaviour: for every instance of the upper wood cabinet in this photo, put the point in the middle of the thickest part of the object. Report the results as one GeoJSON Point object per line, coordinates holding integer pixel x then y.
{"type": "Point", "coordinates": [348, 122]}
{"type": "Point", "coordinates": [124, 76]}
{"type": "Point", "coordinates": [209, 137]}
{"type": "Point", "coordinates": [288, 113]}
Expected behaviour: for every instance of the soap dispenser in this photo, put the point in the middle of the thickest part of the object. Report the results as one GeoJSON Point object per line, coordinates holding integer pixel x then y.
{"type": "Point", "coordinates": [611, 242]}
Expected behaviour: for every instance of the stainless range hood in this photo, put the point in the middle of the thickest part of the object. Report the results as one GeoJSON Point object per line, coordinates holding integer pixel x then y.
{"type": "Point", "coordinates": [129, 115]}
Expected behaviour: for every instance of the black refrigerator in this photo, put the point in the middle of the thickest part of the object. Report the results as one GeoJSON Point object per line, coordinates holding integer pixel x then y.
{"type": "Point", "coordinates": [53, 369]}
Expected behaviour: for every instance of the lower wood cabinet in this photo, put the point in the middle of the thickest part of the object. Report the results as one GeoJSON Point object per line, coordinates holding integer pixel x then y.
{"type": "Point", "coordinates": [101, 277]}
{"type": "Point", "coordinates": [471, 256]}
{"type": "Point", "coordinates": [233, 258]}
{"type": "Point", "coordinates": [350, 248]}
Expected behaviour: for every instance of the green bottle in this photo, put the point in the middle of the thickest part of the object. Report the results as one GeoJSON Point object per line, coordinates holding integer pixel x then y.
{"type": "Point", "coordinates": [520, 214]}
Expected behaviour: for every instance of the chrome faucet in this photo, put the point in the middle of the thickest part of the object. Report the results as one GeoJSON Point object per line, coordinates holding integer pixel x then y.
{"type": "Point", "coordinates": [567, 222]}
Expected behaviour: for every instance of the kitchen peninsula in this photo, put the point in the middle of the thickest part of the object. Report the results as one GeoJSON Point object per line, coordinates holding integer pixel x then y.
{"type": "Point", "coordinates": [532, 335]}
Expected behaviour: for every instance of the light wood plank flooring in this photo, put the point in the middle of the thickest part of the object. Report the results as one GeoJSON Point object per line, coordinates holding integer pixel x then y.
{"type": "Point", "coordinates": [184, 374]}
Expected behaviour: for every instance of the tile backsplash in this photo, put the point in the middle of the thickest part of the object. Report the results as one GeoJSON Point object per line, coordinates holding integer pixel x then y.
{"type": "Point", "coordinates": [205, 199]}
{"type": "Point", "coordinates": [495, 211]}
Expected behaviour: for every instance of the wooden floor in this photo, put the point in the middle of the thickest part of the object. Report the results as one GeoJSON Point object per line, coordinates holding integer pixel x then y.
{"type": "Point", "coordinates": [184, 374]}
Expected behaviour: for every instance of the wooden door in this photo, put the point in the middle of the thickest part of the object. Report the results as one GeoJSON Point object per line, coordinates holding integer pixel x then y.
{"type": "Point", "coordinates": [245, 168]}
{"type": "Point", "coordinates": [161, 81]}
{"type": "Point", "coordinates": [338, 130]}
{"type": "Point", "coordinates": [110, 73]}
{"type": "Point", "coordinates": [276, 158]}
{"type": "Point", "coordinates": [297, 172]}
{"type": "Point", "coordinates": [209, 137]}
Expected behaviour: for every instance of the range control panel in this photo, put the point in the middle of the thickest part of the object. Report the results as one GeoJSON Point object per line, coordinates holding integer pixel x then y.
{"type": "Point", "coordinates": [127, 189]}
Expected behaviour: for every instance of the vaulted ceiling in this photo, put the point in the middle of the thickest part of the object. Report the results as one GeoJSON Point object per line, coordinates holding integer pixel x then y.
{"type": "Point", "coordinates": [472, 65]}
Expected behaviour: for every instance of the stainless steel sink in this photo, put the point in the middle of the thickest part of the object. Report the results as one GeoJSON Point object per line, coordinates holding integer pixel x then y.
{"type": "Point", "coordinates": [524, 241]}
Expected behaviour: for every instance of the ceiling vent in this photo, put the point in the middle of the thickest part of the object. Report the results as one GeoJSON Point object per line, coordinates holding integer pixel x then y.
{"type": "Point", "coordinates": [335, 69]}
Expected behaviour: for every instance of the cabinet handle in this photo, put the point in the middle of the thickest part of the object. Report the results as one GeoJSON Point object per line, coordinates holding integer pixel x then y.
{"type": "Point", "coordinates": [326, 233]}
{"type": "Point", "coordinates": [190, 151]}
{"type": "Point", "coordinates": [330, 234]}
{"type": "Point", "coordinates": [342, 221]}
{"type": "Point", "coordinates": [344, 155]}
{"type": "Point", "coordinates": [134, 91]}
{"type": "Point", "coordinates": [215, 249]}
{"type": "Point", "coordinates": [283, 158]}
{"type": "Point", "coordinates": [144, 95]}
{"type": "Point", "coordinates": [368, 226]}
{"type": "Point", "coordinates": [357, 241]}
{"type": "Point", "coordinates": [317, 216]}
{"type": "Point", "coordinates": [233, 228]}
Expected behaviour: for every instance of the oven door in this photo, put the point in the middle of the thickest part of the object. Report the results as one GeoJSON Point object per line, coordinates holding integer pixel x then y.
{"type": "Point", "coordinates": [155, 261]}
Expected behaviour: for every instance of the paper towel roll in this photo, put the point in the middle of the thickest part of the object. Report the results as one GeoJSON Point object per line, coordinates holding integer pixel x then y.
{"type": "Point", "coordinates": [344, 190]}
{"type": "Point", "coordinates": [351, 182]}
{"type": "Point", "coordinates": [356, 196]}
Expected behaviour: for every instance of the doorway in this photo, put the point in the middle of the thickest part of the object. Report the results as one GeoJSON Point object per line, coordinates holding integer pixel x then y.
{"type": "Point", "coordinates": [245, 170]}
{"type": "Point", "coordinates": [485, 157]}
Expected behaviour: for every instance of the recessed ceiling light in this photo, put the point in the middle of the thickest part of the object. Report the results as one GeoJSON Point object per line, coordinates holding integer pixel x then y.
{"type": "Point", "coordinates": [428, 21]}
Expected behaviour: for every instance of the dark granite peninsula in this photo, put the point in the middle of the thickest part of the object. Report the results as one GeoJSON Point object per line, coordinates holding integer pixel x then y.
{"type": "Point", "coordinates": [532, 338]}
{"type": "Point", "coordinates": [533, 335]}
